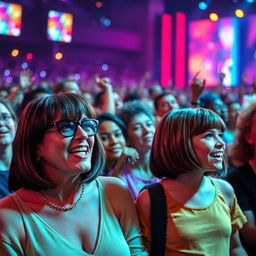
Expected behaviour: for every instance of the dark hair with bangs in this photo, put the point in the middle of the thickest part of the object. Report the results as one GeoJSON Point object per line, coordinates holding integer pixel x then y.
{"type": "Point", "coordinates": [110, 117]}
{"type": "Point", "coordinates": [172, 150]}
{"type": "Point", "coordinates": [25, 170]}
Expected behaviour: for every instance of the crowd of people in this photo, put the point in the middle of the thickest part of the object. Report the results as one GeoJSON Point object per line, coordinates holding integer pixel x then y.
{"type": "Point", "coordinates": [73, 165]}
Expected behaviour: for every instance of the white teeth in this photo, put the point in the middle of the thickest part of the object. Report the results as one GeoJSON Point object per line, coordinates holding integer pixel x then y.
{"type": "Point", "coordinates": [216, 155]}
{"type": "Point", "coordinates": [79, 149]}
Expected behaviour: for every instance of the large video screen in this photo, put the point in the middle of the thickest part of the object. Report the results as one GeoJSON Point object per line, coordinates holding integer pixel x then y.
{"type": "Point", "coordinates": [59, 26]}
{"type": "Point", "coordinates": [248, 53]}
{"type": "Point", "coordinates": [10, 19]}
{"type": "Point", "coordinates": [211, 50]}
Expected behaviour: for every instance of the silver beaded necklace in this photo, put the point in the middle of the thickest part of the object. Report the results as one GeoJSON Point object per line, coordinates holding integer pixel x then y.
{"type": "Point", "coordinates": [62, 208]}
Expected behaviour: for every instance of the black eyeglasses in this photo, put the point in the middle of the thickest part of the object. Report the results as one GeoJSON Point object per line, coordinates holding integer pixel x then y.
{"type": "Point", "coordinates": [67, 128]}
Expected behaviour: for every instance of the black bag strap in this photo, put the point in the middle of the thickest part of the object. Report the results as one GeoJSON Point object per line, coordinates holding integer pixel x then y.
{"type": "Point", "coordinates": [158, 218]}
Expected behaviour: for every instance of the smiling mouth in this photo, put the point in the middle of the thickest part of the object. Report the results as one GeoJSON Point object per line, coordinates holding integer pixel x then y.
{"type": "Point", "coordinates": [81, 152]}
{"type": "Point", "coordinates": [115, 150]}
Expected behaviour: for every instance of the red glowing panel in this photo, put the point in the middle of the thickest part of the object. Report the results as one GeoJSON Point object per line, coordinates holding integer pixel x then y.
{"type": "Point", "coordinates": [60, 26]}
{"type": "Point", "coordinates": [166, 50]}
{"type": "Point", "coordinates": [250, 49]}
{"type": "Point", "coordinates": [180, 56]}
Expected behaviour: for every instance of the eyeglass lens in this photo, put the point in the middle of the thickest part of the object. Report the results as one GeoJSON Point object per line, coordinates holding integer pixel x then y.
{"type": "Point", "coordinates": [68, 128]}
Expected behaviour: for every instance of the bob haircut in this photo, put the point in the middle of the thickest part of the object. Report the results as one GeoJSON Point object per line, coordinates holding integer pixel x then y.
{"type": "Point", "coordinates": [7, 104]}
{"type": "Point", "coordinates": [172, 150]}
{"type": "Point", "coordinates": [25, 170]}
{"type": "Point", "coordinates": [240, 150]}
{"type": "Point", "coordinates": [113, 118]}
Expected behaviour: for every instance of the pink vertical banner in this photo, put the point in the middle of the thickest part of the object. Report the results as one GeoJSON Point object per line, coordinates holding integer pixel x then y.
{"type": "Point", "coordinates": [166, 43]}
{"type": "Point", "coordinates": [180, 54]}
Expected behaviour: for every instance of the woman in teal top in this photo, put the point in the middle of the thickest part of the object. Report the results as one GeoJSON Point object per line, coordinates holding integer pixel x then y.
{"type": "Point", "coordinates": [8, 122]}
{"type": "Point", "coordinates": [61, 206]}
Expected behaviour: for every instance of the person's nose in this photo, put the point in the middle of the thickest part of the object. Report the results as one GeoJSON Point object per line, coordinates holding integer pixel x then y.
{"type": "Point", "coordinates": [113, 139]}
{"type": "Point", "coordinates": [2, 123]}
{"type": "Point", "coordinates": [220, 143]}
{"type": "Point", "coordinates": [146, 129]}
{"type": "Point", "coordinates": [80, 133]}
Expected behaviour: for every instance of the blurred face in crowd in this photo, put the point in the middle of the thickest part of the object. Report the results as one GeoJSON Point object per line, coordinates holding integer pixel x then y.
{"type": "Point", "coordinates": [3, 94]}
{"type": "Point", "coordinates": [141, 131]}
{"type": "Point", "coordinates": [220, 108]}
{"type": "Point", "coordinates": [112, 139]}
{"type": "Point", "coordinates": [72, 86]}
{"type": "Point", "coordinates": [155, 90]}
{"type": "Point", "coordinates": [165, 104]}
{"type": "Point", "coordinates": [233, 112]}
{"type": "Point", "coordinates": [251, 135]}
{"type": "Point", "coordinates": [118, 101]}
{"type": "Point", "coordinates": [7, 126]}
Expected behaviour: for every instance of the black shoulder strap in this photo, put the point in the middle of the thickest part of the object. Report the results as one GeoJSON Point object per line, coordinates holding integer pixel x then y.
{"type": "Point", "coordinates": [158, 218]}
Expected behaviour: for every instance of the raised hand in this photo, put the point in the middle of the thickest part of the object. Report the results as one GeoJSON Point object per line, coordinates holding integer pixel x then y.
{"type": "Point", "coordinates": [26, 79]}
{"type": "Point", "coordinates": [197, 87]}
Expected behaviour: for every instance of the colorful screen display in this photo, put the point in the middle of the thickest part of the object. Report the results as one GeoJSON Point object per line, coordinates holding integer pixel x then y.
{"type": "Point", "coordinates": [60, 26]}
{"type": "Point", "coordinates": [10, 19]}
{"type": "Point", "coordinates": [248, 53]}
{"type": "Point", "coordinates": [211, 48]}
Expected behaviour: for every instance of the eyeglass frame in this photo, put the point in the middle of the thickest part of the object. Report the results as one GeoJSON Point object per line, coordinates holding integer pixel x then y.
{"type": "Point", "coordinates": [76, 126]}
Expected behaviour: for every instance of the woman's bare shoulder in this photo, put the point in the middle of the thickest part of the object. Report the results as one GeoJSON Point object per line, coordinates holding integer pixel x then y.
{"type": "Point", "coordinates": [112, 183]}
{"type": "Point", "coordinates": [10, 216]}
{"type": "Point", "coordinates": [226, 189]}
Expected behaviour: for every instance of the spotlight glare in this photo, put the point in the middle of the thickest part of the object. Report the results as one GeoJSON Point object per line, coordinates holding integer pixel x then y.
{"type": "Point", "coordinates": [239, 13]}
{"type": "Point", "coordinates": [99, 4]}
{"type": "Point", "coordinates": [24, 65]}
{"type": "Point", "coordinates": [58, 56]}
{"type": "Point", "coordinates": [15, 52]}
{"type": "Point", "coordinates": [104, 67]}
{"type": "Point", "coordinates": [7, 72]}
{"type": "Point", "coordinates": [202, 6]}
{"type": "Point", "coordinates": [214, 16]}
{"type": "Point", "coordinates": [250, 1]}
{"type": "Point", "coordinates": [29, 56]}
{"type": "Point", "coordinates": [42, 74]}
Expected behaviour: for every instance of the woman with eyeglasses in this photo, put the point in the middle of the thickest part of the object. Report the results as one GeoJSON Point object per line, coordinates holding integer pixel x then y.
{"type": "Point", "coordinates": [7, 133]}
{"type": "Point", "coordinates": [61, 206]}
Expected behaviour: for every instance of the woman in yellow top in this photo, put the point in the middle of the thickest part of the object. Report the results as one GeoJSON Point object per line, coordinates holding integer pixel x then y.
{"type": "Point", "coordinates": [61, 206]}
{"type": "Point", "coordinates": [203, 217]}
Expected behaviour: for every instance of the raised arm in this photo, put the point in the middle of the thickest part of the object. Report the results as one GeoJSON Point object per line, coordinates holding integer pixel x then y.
{"type": "Point", "coordinates": [196, 89]}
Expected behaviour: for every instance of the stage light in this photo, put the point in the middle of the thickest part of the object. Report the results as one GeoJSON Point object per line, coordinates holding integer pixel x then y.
{"type": "Point", "coordinates": [15, 53]}
{"type": "Point", "coordinates": [24, 65]}
{"type": "Point", "coordinates": [77, 76]}
{"type": "Point", "coordinates": [9, 79]}
{"type": "Point", "coordinates": [202, 6]}
{"type": "Point", "coordinates": [7, 72]}
{"type": "Point", "coordinates": [213, 16]}
{"type": "Point", "coordinates": [105, 21]}
{"type": "Point", "coordinates": [104, 67]}
{"type": "Point", "coordinates": [250, 1]}
{"type": "Point", "coordinates": [42, 74]}
{"type": "Point", "coordinates": [29, 56]}
{"type": "Point", "coordinates": [239, 13]}
{"type": "Point", "coordinates": [99, 4]}
{"type": "Point", "coordinates": [58, 56]}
